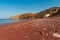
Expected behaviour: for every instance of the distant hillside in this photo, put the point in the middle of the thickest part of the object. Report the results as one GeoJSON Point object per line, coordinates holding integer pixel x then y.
{"type": "Point", "coordinates": [24, 16]}
{"type": "Point", "coordinates": [54, 11]}
{"type": "Point", "coordinates": [15, 17]}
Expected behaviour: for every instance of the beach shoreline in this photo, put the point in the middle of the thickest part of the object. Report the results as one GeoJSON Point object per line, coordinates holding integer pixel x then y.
{"type": "Point", "coordinates": [31, 29]}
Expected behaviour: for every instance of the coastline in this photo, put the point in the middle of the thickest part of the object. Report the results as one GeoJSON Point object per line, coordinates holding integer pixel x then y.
{"type": "Point", "coordinates": [31, 29]}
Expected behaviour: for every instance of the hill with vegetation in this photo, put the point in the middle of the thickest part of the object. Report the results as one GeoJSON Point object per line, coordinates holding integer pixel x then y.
{"type": "Point", "coordinates": [54, 11]}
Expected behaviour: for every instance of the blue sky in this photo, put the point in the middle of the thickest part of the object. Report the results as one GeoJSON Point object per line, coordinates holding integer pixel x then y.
{"type": "Point", "coordinates": [14, 7]}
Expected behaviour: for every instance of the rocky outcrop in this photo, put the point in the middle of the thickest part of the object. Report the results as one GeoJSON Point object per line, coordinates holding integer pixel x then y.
{"type": "Point", "coordinates": [54, 11]}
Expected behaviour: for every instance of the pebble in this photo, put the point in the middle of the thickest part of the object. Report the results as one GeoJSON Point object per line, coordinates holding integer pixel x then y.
{"type": "Point", "coordinates": [25, 36]}
{"type": "Point", "coordinates": [43, 39]}
{"type": "Point", "coordinates": [18, 25]}
{"type": "Point", "coordinates": [37, 24]}
{"type": "Point", "coordinates": [44, 29]}
{"type": "Point", "coordinates": [46, 34]}
{"type": "Point", "coordinates": [56, 35]}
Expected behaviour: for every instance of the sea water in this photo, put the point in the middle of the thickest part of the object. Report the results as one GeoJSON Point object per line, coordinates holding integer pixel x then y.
{"type": "Point", "coordinates": [5, 21]}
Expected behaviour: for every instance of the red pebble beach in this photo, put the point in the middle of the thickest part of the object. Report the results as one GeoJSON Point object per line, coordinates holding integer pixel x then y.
{"type": "Point", "coordinates": [35, 29]}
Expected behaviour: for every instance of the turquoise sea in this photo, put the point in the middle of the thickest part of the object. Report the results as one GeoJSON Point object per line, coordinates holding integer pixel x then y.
{"type": "Point", "coordinates": [5, 21]}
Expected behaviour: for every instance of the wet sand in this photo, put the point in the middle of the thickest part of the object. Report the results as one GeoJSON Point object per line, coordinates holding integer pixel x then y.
{"type": "Point", "coordinates": [36, 29]}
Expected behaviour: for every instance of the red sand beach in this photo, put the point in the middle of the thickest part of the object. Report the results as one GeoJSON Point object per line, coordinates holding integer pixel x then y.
{"type": "Point", "coordinates": [36, 29]}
